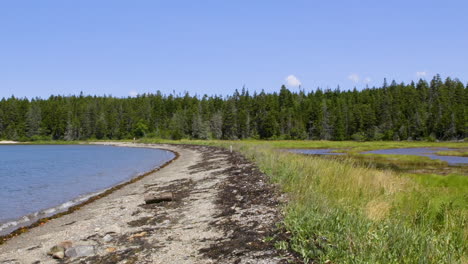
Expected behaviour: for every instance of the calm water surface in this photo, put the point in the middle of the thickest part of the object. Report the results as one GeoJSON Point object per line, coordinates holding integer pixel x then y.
{"type": "Point", "coordinates": [317, 151]}
{"type": "Point", "coordinates": [39, 180]}
{"type": "Point", "coordinates": [426, 152]}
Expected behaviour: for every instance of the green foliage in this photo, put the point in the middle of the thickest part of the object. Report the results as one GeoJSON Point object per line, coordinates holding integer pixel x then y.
{"type": "Point", "coordinates": [359, 136]}
{"type": "Point", "coordinates": [140, 129]}
{"type": "Point", "coordinates": [459, 153]}
{"type": "Point", "coordinates": [341, 211]}
{"type": "Point", "coordinates": [423, 111]}
{"type": "Point", "coordinates": [346, 213]}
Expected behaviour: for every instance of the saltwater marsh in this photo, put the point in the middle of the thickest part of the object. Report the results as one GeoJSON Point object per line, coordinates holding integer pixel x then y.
{"type": "Point", "coordinates": [349, 209]}
{"type": "Point", "coordinates": [348, 212]}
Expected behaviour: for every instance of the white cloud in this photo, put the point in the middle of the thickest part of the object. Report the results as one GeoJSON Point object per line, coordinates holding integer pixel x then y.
{"type": "Point", "coordinates": [367, 80]}
{"type": "Point", "coordinates": [133, 93]}
{"type": "Point", "coordinates": [421, 74]}
{"type": "Point", "coordinates": [292, 80]}
{"type": "Point", "coordinates": [354, 77]}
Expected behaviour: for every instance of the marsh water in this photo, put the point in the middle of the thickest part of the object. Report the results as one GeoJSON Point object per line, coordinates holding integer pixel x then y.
{"type": "Point", "coordinates": [40, 180]}
{"type": "Point", "coordinates": [424, 152]}
{"type": "Point", "coordinates": [317, 151]}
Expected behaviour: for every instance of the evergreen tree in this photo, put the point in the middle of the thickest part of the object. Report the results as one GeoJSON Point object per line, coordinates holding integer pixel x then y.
{"type": "Point", "coordinates": [229, 121]}
{"type": "Point", "coordinates": [216, 125]}
{"type": "Point", "coordinates": [33, 120]}
{"type": "Point", "coordinates": [417, 111]}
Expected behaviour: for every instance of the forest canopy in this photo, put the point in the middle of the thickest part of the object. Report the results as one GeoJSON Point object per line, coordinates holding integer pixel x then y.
{"type": "Point", "coordinates": [435, 110]}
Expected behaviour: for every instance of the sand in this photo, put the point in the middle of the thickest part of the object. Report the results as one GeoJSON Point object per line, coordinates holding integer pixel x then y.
{"type": "Point", "coordinates": [223, 210]}
{"type": "Point", "coordinates": [8, 142]}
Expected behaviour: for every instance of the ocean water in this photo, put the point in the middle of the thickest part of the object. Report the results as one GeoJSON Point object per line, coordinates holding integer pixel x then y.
{"type": "Point", "coordinates": [39, 180]}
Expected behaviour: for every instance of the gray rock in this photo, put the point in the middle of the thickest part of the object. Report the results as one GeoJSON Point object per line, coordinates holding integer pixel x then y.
{"type": "Point", "coordinates": [10, 261]}
{"type": "Point", "coordinates": [80, 251]}
{"type": "Point", "coordinates": [107, 238]}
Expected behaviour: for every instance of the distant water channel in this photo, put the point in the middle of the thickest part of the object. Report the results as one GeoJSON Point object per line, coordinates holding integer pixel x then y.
{"type": "Point", "coordinates": [39, 180]}
{"type": "Point", "coordinates": [317, 151]}
{"type": "Point", "coordinates": [426, 152]}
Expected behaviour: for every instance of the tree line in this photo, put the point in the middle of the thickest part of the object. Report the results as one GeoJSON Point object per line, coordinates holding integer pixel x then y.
{"type": "Point", "coordinates": [435, 110]}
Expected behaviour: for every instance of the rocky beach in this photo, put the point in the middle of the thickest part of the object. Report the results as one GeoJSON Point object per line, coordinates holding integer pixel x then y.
{"type": "Point", "coordinates": [207, 206]}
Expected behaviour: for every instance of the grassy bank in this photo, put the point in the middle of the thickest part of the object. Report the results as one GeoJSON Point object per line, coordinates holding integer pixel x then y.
{"type": "Point", "coordinates": [458, 153]}
{"type": "Point", "coordinates": [342, 211]}
{"type": "Point", "coordinates": [402, 162]}
{"type": "Point", "coordinates": [356, 147]}
{"type": "Point", "coordinates": [352, 214]}
{"type": "Point", "coordinates": [347, 211]}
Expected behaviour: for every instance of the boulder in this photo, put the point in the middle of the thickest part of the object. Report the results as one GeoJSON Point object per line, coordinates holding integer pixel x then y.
{"type": "Point", "coordinates": [80, 251]}
{"type": "Point", "coordinates": [107, 238]}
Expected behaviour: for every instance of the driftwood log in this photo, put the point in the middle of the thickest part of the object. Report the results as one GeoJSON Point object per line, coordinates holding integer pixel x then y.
{"type": "Point", "coordinates": [151, 198]}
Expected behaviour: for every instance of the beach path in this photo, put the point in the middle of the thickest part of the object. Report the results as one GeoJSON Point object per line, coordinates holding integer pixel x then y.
{"type": "Point", "coordinates": [222, 210]}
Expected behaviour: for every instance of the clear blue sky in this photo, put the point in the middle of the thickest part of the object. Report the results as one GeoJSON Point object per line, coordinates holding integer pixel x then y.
{"type": "Point", "coordinates": [213, 47]}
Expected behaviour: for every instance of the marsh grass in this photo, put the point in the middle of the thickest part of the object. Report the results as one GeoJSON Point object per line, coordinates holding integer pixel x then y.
{"type": "Point", "coordinates": [459, 153]}
{"type": "Point", "coordinates": [356, 147]}
{"type": "Point", "coordinates": [348, 211]}
{"type": "Point", "coordinates": [400, 160]}
{"type": "Point", "coordinates": [352, 214]}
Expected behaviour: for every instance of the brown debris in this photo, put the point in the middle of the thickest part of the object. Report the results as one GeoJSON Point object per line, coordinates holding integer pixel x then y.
{"type": "Point", "coordinates": [151, 198]}
{"type": "Point", "coordinates": [222, 210]}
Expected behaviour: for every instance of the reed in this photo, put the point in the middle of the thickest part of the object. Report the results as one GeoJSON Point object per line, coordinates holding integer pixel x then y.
{"type": "Point", "coordinates": [347, 211]}
{"type": "Point", "coordinates": [458, 153]}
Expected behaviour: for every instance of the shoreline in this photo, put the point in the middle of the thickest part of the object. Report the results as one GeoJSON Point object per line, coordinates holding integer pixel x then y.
{"type": "Point", "coordinates": [222, 210]}
{"type": "Point", "coordinates": [8, 142]}
{"type": "Point", "coordinates": [11, 225]}
{"type": "Point", "coordinates": [88, 198]}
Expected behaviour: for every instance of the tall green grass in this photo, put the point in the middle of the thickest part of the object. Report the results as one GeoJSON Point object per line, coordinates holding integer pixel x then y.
{"type": "Point", "coordinates": [356, 147]}
{"type": "Point", "coordinates": [459, 153]}
{"type": "Point", "coordinates": [346, 213]}
{"type": "Point", "coordinates": [400, 161]}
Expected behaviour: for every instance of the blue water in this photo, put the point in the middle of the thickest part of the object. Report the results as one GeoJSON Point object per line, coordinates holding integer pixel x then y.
{"type": "Point", "coordinates": [316, 151]}
{"type": "Point", "coordinates": [39, 180]}
{"type": "Point", "coordinates": [426, 152]}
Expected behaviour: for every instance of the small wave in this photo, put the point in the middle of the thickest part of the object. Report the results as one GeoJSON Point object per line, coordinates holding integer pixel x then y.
{"type": "Point", "coordinates": [11, 225]}
{"type": "Point", "coordinates": [8, 225]}
{"type": "Point", "coordinates": [66, 205]}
